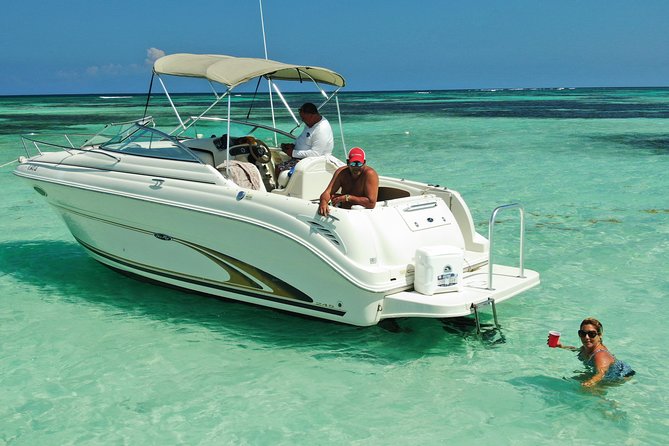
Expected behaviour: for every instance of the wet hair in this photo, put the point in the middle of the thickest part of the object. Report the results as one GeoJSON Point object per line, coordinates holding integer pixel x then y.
{"type": "Point", "coordinates": [309, 108]}
{"type": "Point", "coordinates": [595, 322]}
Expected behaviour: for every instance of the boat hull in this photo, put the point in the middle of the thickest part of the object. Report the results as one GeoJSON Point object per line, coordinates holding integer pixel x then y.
{"type": "Point", "coordinates": [218, 262]}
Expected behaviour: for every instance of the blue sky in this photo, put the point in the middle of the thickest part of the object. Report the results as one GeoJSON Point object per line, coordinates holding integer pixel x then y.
{"type": "Point", "coordinates": [95, 46]}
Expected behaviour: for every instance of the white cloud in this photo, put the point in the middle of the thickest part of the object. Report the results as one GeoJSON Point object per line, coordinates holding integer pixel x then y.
{"type": "Point", "coordinates": [114, 70]}
{"type": "Point", "coordinates": [68, 75]}
{"type": "Point", "coordinates": [108, 70]}
{"type": "Point", "coordinates": [153, 54]}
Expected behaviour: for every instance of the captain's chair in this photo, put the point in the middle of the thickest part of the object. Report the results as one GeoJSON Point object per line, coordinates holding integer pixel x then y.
{"type": "Point", "coordinates": [310, 177]}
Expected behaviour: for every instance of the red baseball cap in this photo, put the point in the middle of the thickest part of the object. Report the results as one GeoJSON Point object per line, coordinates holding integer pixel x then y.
{"type": "Point", "coordinates": [356, 154]}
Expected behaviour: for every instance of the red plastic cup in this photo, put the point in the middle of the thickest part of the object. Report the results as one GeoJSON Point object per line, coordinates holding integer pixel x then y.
{"type": "Point", "coordinates": [553, 338]}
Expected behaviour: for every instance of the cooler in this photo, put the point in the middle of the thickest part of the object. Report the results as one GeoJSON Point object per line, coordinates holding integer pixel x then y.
{"type": "Point", "coordinates": [438, 269]}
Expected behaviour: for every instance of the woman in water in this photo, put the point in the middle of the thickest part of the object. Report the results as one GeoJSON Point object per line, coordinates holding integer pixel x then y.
{"type": "Point", "coordinates": [597, 357]}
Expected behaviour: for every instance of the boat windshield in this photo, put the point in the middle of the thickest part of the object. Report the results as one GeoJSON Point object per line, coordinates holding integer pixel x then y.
{"type": "Point", "coordinates": [149, 142]}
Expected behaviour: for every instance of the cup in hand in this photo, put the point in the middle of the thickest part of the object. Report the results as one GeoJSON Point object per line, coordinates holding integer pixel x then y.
{"type": "Point", "coordinates": [553, 338]}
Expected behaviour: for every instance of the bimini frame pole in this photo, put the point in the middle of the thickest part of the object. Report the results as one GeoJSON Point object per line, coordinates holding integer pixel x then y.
{"type": "Point", "coordinates": [169, 98]}
{"type": "Point", "coordinates": [341, 128]}
{"type": "Point", "coordinates": [278, 92]}
{"type": "Point", "coordinates": [194, 119]}
{"type": "Point", "coordinates": [227, 143]}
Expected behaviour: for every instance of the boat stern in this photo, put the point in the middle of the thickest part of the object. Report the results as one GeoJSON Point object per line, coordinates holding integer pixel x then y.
{"type": "Point", "coordinates": [507, 282]}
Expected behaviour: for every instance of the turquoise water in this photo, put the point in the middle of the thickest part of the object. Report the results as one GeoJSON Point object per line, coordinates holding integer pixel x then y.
{"type": "Point", "coordinates": [91, 357]}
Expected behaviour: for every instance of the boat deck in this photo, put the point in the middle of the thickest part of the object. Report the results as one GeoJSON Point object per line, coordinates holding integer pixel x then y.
{"type": "Point", "coordinates": [506, 283]}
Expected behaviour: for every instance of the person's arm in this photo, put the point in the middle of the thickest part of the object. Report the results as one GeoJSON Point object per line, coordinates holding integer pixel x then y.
{"type": "Point", "coordinates": [288, 148]}
{"type": "Point", "coordinates": [329, 192]}
{"type": "Point", "coordinates": [603, 361]}
{"type": "Point", "coordinates": [566, 347]}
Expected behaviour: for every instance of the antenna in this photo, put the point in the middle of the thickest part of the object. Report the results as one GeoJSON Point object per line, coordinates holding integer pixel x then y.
{"type": "Point", "coordinates": [262, 24]}
{"type": "Point", "coordinates": [269, 82]}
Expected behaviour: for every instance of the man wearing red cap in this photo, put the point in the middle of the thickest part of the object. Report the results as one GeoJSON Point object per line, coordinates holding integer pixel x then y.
{"type": "Point", "coordinates": [353, 184]}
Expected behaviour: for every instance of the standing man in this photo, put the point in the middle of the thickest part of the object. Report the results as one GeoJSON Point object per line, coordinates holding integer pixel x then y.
{"type": "Point", "coordinates": [358, 182]}
{"type": "Point", "coordinates": [316, 139]}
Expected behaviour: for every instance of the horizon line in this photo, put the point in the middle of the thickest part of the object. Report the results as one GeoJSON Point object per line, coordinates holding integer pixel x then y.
{"type": "Point", "coordinates": [418, 90]}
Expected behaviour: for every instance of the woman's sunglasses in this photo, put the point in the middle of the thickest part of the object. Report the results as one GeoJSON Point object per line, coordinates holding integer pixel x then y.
{"type": "Point", "coordinates": [591, 334]}
{"type": "Point", "coordinates": [356, 164]}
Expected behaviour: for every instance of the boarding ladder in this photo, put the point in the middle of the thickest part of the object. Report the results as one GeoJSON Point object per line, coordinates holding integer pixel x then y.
{"type": "Point", "coordinates": [491, 226]}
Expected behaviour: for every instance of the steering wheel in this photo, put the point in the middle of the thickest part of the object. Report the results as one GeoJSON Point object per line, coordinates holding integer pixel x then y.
{"type": "Point", "coordinates": [260, 152]}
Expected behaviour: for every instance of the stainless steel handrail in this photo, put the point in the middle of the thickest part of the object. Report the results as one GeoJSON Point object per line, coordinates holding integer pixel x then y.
{"type": "Point", "coordinates": [32, 138]}
{"type": "Point", "coordinates": [38, 139]}
{"type": "Point", "coordinates": [420, 206]}
{"type": "Point", "coordinates": [491, 226]}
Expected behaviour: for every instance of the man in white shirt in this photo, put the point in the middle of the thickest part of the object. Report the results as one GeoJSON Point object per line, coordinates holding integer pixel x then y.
{"type": "Point", "coordinates": [316, 139]}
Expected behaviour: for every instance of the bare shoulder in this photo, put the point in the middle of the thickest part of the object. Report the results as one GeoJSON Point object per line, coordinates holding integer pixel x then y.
{"type": "Point", "coordinates": [369, 171]}
{"type": "Point", "coordinates": [337, 175]}
{"type": "Point", "coordinates": [603, 355]}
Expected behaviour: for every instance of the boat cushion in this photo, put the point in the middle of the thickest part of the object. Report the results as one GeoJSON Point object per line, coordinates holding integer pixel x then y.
{"type": "Point", "coordinates": [243, 174]}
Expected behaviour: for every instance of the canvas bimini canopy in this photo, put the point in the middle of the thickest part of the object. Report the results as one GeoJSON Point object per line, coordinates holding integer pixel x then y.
{"type": "Point", "coordinates": [232, 71]}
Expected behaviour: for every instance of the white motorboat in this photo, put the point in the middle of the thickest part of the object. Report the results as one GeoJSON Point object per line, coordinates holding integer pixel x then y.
{"type": "Point", "coordinates": [208, 214]}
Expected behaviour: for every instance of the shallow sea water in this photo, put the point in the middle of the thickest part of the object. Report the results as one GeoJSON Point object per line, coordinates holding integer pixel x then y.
{"type": "Point", "coordinates": [91, 357]}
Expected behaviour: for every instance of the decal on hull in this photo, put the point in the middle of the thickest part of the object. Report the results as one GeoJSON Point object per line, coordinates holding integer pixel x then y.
{"type": "Point", "coordinates": [244, 279]}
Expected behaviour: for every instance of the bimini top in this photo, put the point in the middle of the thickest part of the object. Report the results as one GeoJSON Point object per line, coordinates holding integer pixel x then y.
{"type": "Point", "coordinates": [232, 71]}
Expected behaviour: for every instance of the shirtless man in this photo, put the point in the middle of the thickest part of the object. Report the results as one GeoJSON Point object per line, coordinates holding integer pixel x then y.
{"type": "Point", "coordinates": [358, 182]}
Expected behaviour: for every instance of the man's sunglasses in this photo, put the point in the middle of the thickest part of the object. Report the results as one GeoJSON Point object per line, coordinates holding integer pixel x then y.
{"type": "Point", "coordinates": [591, 334]}
{"type": "Point", "coordinates": [356, 164]}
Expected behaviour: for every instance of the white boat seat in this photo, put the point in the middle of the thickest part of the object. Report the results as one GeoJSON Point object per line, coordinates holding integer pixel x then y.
{"type": "Point", "coordinates": [310, 177]}
{"type": "Point", "coordinates": [243, 174]}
